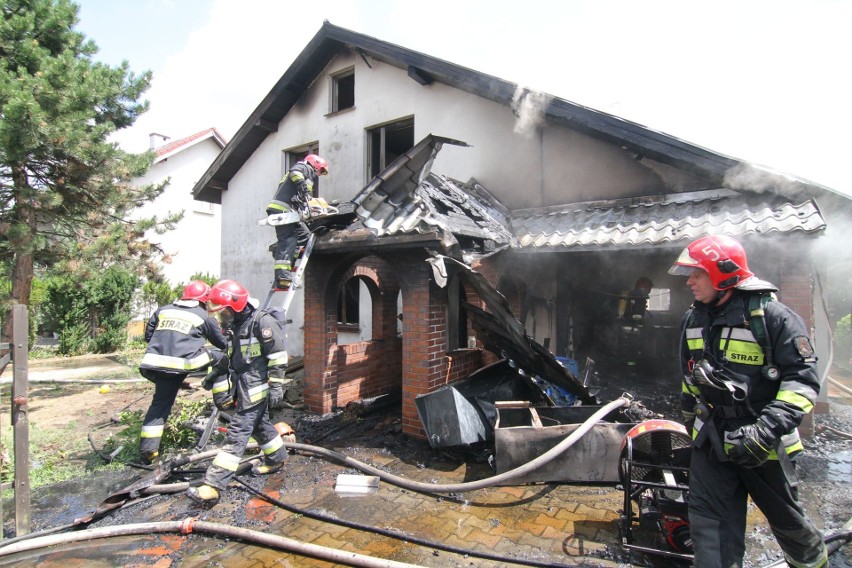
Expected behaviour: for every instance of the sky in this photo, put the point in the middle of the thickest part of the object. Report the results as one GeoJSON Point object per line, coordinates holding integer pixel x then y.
{"type": "Point", "coordinates": [765, 81]}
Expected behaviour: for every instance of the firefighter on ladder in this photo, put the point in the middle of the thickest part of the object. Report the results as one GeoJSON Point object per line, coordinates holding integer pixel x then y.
{"type": "Point", "coordinates": [288, 207]}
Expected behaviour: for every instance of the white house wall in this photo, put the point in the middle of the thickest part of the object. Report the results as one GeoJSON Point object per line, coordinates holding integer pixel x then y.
{"type": "Point", "coordinates": [195, 244]}
{"type": "Point", "coordinates": [523, 169]}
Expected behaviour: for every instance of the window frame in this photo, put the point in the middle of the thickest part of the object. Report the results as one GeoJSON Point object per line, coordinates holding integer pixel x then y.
{"type": "Point", "coordinates": [338, 80]}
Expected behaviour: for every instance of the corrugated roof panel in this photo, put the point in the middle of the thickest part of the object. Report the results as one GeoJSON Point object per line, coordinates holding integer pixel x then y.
{"type": "Point", "coordinates": [617, 224]}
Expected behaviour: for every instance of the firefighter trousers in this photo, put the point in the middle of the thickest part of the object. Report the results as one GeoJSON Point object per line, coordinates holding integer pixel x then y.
{"type": "Point", "coordinates": [718, 499]}
{"type": "Point", "coordinates": [246, 423]}
{"type": "Point", "coordinates": [166, 386]}
{"type": "Point", "coordinates": [289, 238]}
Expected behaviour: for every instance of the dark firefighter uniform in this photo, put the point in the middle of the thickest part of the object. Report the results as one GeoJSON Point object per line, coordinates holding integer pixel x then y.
{"type": "Point", "coordinates": [718, 488]}
{"type": "Point", "coordinates": [258, 344]}
{"type": "Point", "coordinates": [176, 336]}
{"type": "Point", "coordinates": [293, 194]}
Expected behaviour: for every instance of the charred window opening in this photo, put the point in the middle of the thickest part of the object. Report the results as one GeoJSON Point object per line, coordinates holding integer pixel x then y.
{"type": "Point", "coordinates": [348, 305]}
{"type": "Point", "coordinates": [343, 90]}
{"type": "Point", "coordinates": [290, 157]}
{"type": "Point", "coordinates": [388, 142]}
{"type": "Point", "coordinates": [456, 315]}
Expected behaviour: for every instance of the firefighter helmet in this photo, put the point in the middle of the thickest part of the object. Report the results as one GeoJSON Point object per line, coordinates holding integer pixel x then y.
{"type": "Point", "coordinates": [196, 290]}
{"type": "Point", "coordinates": [227, 294]}
{"type": "Point", "coordinates": [720, 256]}
{"type": "Point", "coordinates": [320, 165]}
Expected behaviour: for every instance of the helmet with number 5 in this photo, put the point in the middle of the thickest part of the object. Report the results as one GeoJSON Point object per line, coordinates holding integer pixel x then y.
{"type": "Point", "coordinates": [320, 165]}
{"type": "Point", "coordinates": [720, 256]}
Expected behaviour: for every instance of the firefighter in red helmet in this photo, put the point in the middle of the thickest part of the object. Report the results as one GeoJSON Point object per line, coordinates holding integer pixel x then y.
{"type": "Point", "coordinates": [258, 343]}
{"type": "Point", "coordinates": [749, 377]}
{"type": "Point", "coordinates": [293, 195]}
{"type": "Point", "coordinates": [176, 336]}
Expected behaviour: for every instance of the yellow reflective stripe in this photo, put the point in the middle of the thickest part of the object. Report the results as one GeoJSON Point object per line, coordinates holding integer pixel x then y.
{"type": "Point", "coordinates": [277, 359]}
{"type": "Point", "coordinates": [220, 386]}
{"type": "Point", "coordinates": [181, 321]}
{"type": "Point", "coordinates": [744, 353]}
{"type": "Point", "coordinates": [690, 389]}
{"type": "Point", "coordinates": [258, 393]}
{"type": "Point", "coordinates": [152, 431]}
{"type": "Point", "coordinates": [227, 461]}
{"type": "Point", "coordinates": [276, 380]}
{"type": "Point", "coordinates": [277, 205]}
{"type": "Point", "coordinates": [283, 266]}
{"type": "Point", "coordinates": [795, 399]}
{"type": "Point", "coordinates": [272, 445]}
{"type": "Point", "coordinates": [176, 363]}
{"type": "Point", "coordinates": [296, 176]}
{"type": "Point", "coordinates": [694, 339]}
{"type": "Point", "coordinates": [250, 347]}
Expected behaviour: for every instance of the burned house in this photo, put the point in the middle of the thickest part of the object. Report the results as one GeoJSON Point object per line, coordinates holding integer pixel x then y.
{"type": "Point", "coordinates": [563, 209]}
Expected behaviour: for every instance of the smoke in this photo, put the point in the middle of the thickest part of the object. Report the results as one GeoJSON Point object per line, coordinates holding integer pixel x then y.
{"type": "Point", "coordinates": [755, 178]}
{"type": "Point", "coordinates": [530, 107]}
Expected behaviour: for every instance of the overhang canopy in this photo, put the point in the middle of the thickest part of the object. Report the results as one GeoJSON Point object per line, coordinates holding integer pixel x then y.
{"type": "Point", "coordinates": [659, 220]}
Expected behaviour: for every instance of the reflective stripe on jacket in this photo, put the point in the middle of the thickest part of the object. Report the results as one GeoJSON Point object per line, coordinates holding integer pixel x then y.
{"type": "Point", "coordinates": [177, 334]}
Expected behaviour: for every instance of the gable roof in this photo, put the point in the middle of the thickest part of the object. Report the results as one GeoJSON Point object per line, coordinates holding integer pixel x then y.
{"type": "Point", "coordinates": [167, 150]}
{"type": "Point", "coordinates": [424, 69]}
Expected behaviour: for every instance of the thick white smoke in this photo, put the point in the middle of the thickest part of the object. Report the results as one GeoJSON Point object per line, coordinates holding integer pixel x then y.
{"type": "Point", "coordinates": [530, 107]}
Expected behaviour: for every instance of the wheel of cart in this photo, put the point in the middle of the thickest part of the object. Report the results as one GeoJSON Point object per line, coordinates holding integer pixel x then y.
{"type": "Point", "coordinates": [655, 475]}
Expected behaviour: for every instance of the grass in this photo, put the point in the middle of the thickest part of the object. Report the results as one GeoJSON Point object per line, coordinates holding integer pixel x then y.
{"type": "Point", "coordinates": [62, 453]}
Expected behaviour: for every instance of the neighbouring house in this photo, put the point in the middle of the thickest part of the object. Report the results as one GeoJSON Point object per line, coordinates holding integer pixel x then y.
{"type": "Point", "coordinates": [562, 208]}
{"type": "Point", "coordinates": [194, 245]}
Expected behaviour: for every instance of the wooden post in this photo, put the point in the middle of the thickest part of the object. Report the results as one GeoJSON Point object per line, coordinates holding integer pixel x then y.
{"type": "Point", "coordinates": [5, 357]}
{"type": "Point", "coordinates": [20, 423]}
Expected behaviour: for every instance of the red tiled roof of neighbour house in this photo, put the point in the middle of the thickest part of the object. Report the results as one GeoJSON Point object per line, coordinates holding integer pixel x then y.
{"type": "Point", "coordinates": [166, 150]}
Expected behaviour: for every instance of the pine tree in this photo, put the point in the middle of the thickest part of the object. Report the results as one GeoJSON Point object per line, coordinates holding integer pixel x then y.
{"type": "Point", "coordinates": [65, 189]}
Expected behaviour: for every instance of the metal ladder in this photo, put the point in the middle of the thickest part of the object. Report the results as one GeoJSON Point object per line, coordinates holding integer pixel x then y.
{"type": "Point", "coordinates": [299, 269]}
{"type": "Point", "coordinates": [300, 264]}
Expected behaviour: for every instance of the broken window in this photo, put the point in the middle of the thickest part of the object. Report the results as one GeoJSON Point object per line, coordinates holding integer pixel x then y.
{"type": "Point", "coordinates": [290, 157]}
{"type": "Point", "coordinates": [348, 305]}
{"type": "Point", "coordinates": [388, 142]}
{"type": "Point", "coordinates": [659, 300]}
{"type": "Point", "coordinates": [343, 90]}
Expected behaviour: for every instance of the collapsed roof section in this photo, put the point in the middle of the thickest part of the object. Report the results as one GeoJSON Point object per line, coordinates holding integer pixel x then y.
{"type": "Point", "coordinates": [408, 199]}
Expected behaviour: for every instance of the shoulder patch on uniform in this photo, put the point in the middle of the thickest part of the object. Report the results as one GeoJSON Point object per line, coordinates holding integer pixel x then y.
{"type": "Point", "coordinates": [803, 346]}
{"type": "Point", "coordinates": [266, 333]}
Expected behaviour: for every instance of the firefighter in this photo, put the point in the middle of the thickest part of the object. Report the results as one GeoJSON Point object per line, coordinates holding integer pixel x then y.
{"type": "Point", "coordinates": [293, 195]}
{"type": "Point", "coordinates": [749, 379]}
{"type": "Point", "coordinates": [176, 336]}
{"type": "Point", "coordinates": [257, 344]}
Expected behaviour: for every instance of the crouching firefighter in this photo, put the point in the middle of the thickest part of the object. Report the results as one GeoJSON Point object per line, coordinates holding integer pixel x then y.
{"type": "Point", "coordinates": [176, 334]}
{"type": "Point", "coordinates": [257, 344]}
{"type": "Point", "coordinates": [749, 378]}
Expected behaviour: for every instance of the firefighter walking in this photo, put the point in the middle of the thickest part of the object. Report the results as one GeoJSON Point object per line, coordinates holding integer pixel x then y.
{"type": "Point", "coordinates": [749, 379]}
{"type": "Point", "coordinates": [258, 343]}
{"type": "Point", "coordinates": [176, 334]}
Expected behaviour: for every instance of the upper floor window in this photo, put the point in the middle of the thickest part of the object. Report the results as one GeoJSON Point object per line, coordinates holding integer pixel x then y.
{"type": "Point", "coordinates": [388, 142]}
{"type": "Point", "coordinates": [343, 90]}
{"type": "Point", "coordinates": [290, 157]}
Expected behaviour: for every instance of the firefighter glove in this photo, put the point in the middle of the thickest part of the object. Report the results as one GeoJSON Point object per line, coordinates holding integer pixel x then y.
{"type": "Point", "coordinates": [750, 445]}
{"type": "Point", "coordinates": [276, 394]}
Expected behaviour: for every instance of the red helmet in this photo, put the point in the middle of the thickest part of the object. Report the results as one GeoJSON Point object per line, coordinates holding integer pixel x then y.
{"type": "Point", "coordinates": [720, 256]}
{"type": "Point", "coordinates": [318, 164]}
{"type": "Point", "coordinates": [227, 294]}
{"type": "Point", "coordinates": [196, 290]}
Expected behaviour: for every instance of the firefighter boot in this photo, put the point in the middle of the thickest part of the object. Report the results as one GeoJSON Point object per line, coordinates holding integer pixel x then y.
{"type": "Point", "coordinates": [203, 495]}
{"type": "Point", "coordinates": [283, 277]}
{"type": "Point", "coordinates": [266, 468]}
{"type": "Point", "coordinates": [148, 458]}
